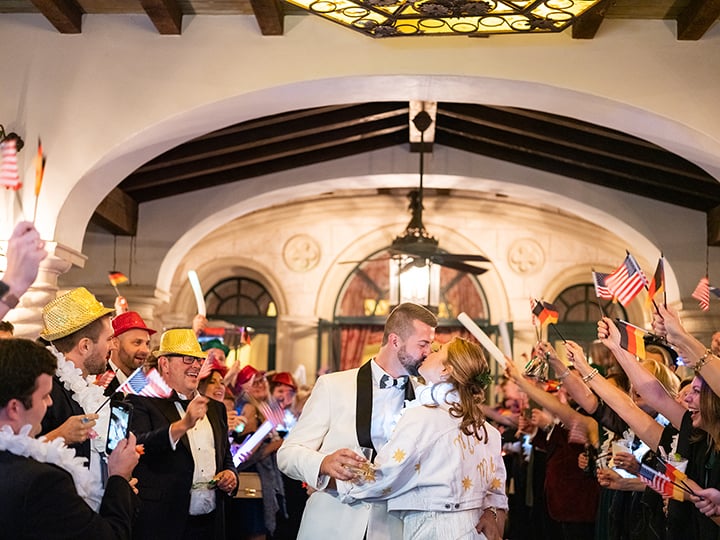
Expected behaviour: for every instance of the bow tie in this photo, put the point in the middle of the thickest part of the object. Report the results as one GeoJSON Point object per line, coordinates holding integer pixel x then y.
{"type": "Point", "coordinates": [386, 381]}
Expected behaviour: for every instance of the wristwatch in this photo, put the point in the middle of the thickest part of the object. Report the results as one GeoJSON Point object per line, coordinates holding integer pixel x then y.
{"type": "Point", "coordinates": [6, 297]}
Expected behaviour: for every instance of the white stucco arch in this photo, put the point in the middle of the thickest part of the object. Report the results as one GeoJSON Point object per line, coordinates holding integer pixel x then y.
{"type": "Point", "coordinates": [136, 149]}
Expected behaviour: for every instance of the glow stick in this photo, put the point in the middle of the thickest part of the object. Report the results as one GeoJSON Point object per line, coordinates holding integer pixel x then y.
{"type": "Point", "coordinates": [199, 298]}
{"type": "Point", "coordinates": [483, 338]}
{"type": "Point", "coordinates": [505, 336]}
{"type": "Point", "coordinates": [248, 447]}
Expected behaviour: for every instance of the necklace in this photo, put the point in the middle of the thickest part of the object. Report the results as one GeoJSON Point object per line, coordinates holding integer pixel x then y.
{"type": "Point", "coordinates": [56, 453]}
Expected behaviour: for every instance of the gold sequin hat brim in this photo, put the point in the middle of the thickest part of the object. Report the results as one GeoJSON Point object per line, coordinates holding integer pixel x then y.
{"type": "Point", "coordinates": [70, 312]}
{"type": "Point", "coordinates": [180, 341]}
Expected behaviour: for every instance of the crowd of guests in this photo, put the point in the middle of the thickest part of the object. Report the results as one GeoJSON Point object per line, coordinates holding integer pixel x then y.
{"type": "Point", "coordinates": [406, 446]}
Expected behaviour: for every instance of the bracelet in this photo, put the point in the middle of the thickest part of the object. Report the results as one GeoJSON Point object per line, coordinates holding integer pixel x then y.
{"type": "Point", "coordinates": [564, 375]}
{"type": "Point", "coordinates": [589, 376]}
{"type": "Point", "coordinates": [493, 511]}
{"type": "Point", "coordinates": [703, 360]}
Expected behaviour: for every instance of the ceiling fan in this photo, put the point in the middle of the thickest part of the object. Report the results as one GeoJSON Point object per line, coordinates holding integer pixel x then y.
{"type": "Point", "coordinates": [415, 241]}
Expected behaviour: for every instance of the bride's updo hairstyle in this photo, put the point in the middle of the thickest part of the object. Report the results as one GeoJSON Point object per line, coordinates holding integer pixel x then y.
{"type": "Point", "coordinates": [470, 375]}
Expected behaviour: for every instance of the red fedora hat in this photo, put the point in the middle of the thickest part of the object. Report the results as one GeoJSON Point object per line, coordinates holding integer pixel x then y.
{"type": "Point", "coordinates": [129, 320]}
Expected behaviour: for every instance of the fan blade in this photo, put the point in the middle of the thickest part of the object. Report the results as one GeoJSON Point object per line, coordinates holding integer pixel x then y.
{"type": "Point", "coordinates": [459, 257]}
{"type": "Point", "coordinates": [462, 267]}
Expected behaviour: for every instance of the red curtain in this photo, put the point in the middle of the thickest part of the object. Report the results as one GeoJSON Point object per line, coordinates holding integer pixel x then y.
{"type": "Point", "coordinates": [353, 340]}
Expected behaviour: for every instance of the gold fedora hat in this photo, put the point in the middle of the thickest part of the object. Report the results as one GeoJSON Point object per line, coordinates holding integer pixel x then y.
{"type": "Point", "coordinates": [70, 312]}
{"type": "Point", "coordinates": [180, 341]}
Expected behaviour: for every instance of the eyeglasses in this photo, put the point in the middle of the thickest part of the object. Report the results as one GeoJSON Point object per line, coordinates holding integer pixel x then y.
{"type": "Point", "coordinates": [187, 360]}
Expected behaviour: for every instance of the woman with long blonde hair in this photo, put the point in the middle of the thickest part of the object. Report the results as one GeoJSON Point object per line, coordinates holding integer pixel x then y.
{"type": "Point", "coordinates": [442, 470]}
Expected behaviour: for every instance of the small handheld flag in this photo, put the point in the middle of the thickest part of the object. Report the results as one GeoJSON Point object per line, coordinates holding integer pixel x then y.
{"type": "Point", "coordinates": [601, 289]}
{"type": "Point", "coordinates": [9, 177]}
{"type": "Point", "coordinates": [631, 338]}
{"type": "Point", "coordinates": [40, 160]}
{"type": "Point", "coordinates": [657, 283]}
{"type": "Point", "coordinates": [116, 278]}
{"type": "Point", "coordinates": [702, 293]}
{"type": "Point", "coordinates": [545, 312]}
{"type": "Point", "coordinates": [150, 384]}
{"type": "Point", "coordinates": [626, 282]}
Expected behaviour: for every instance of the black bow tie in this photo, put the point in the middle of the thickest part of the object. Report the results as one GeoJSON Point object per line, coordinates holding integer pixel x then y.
{"type": "Point", "coordinates": [386, 381]}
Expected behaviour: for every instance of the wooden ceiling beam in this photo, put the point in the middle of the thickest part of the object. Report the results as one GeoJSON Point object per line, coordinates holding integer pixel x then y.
{"type": "Point", "coordinates": [587, 24]}
{"type": "Point", "coordinates": [270, 17]}
{"type": "Point", "coordinates": [286, 128]}
{"type": "Point", "coordinates": [64, 15]}
{"type": "Point", "coordinates": [572, 167]}
{"type": "Point", "coordinates": [284, 163]}
{"type": "Point", "coordinates": [262, 153]}
{"type": "Point", "coordinates": [697, 17]}
{"type": "Point", "coordinates": [543, 132]}
{"type": "Point", "coordinates": [118, 213]}
{"type": "Point", "coordinates": [166, 15]}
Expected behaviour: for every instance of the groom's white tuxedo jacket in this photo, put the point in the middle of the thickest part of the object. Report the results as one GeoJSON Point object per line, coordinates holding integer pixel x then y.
{"type": "Point", "coordinates": [329, 422]}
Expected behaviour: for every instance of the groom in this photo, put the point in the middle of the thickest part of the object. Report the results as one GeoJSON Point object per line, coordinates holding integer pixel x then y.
{"type": "Point", "coordinates": [352, 409]}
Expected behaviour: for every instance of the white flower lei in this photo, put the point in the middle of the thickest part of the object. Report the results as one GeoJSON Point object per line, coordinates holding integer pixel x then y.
{"type": "Point", "coordinates": [56, 453]}
{"type": "Point", "coordinates": [90, 397]}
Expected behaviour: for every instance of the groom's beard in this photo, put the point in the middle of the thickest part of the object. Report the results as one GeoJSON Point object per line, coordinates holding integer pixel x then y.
{"type": "Point", "coordinates": [409, 362]}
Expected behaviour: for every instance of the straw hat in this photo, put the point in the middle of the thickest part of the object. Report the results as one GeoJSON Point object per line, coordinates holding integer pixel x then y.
{"type": "Point", "coordinates": [70, 312]}
{"type": "Point", "coordinates": [181, 341]}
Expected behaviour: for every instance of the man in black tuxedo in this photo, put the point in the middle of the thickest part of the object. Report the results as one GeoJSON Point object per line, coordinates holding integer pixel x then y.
{"type": "Point", "coordinates": [132, 341]}
{"type": "Point", "coordinates": [79, 328]}
{"type": "Point", "coordinates": [187, 471]}
{"type": "Point", "coordinates": [38, 494]}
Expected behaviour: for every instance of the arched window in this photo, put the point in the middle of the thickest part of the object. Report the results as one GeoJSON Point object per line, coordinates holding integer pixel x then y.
{"type": "Point", "coordinates": [578, 313]}
{"type": "Point", "coordinates": [246, 303]}
{"type": "Point", "coordinates": [364, 303]}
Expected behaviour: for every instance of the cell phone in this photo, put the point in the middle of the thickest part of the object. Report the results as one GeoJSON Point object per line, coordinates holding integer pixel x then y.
{"type": "Point", "coordinates": [119, 427]}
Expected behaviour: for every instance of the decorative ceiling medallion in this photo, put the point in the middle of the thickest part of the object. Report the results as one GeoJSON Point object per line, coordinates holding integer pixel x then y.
{"type": "Point", "coordinates": [526, 256]}
{"type": "Point", "coordinates": [394, 18]}
{"type": "Point", "coordinates": [301, 253]}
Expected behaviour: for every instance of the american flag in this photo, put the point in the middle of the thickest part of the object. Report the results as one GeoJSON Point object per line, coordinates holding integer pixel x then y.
{"type": "Point", "coordinates": [702, 293]}
{"type": "Point", "coordinates": [103, 379]}
{"type": "Point", "coordinates": [627, 281]}
{"type": "Point", "coordinates": [601, 290]}
{"type": "Point", "coordinates": [8, 165]}
{"type": "Point", "coordinates": [149, 384]}
{"type": "Point", "coordinates": [657, 481]}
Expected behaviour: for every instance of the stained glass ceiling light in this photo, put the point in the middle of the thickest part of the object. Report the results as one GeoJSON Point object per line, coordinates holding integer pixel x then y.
{"type": "Point", "coordinates": [393, 18]}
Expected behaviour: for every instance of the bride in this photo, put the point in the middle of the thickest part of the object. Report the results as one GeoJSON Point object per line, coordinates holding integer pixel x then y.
{"type": "Point", "coordinates": [442, 471]}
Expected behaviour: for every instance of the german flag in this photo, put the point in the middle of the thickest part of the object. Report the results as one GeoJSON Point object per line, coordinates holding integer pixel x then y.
{"type": "Point", "coordinates": [117, 278]}
{"type": "Point", "coordinates": [657, 283]}
{"type": "Point", "coordinates": [545, 312]}
{"type": "Point", "coordinates": [631, 338]}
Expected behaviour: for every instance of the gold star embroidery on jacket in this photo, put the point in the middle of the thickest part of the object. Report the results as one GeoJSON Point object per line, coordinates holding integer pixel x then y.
{"type": "Point", "coordinates": [399, 455]}
{"type": "Point", "coordinates": [495, 484]}
{"type": "Point", "coordinates": [467, 483]}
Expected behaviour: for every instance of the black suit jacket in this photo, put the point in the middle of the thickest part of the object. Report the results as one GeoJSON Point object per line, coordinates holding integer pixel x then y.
{"type": "Point", "coordinates": [63, 407]}
{"type": "Point", "coordinates": [39, 501]}
{"type": "Point", "coordinates": [165, 475]}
